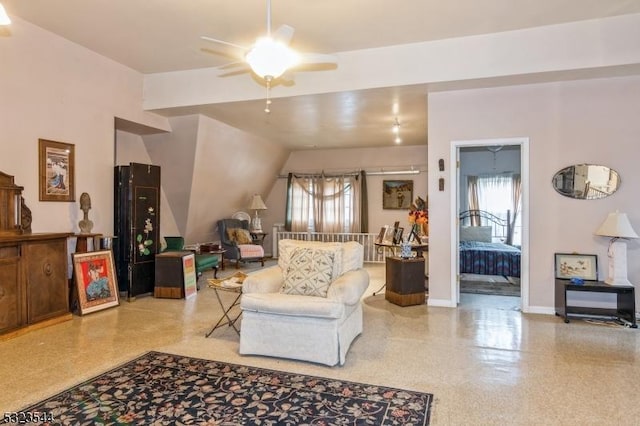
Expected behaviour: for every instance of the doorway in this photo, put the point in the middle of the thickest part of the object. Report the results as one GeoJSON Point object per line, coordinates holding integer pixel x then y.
{"type": "Point", "coordinates": [487, 167]}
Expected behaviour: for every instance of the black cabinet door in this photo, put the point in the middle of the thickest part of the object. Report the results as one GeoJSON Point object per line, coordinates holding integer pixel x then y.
{"type": "Point", "coordinates": [137, 225]}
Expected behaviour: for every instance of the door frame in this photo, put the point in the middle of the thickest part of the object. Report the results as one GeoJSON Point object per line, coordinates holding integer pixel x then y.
{"type": "Point", "coordinates": [454, 177]}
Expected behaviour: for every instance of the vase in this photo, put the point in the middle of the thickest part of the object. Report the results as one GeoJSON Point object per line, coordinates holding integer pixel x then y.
{"type": "Point", "coordinates": [405, 249]}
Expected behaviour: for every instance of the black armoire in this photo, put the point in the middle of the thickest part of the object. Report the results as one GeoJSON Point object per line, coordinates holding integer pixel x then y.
{"type": "Point", "coordinates": [137, 227]}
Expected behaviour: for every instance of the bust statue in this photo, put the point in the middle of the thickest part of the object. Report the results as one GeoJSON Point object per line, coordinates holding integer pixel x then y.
{"type": "Point", "coordinates": [85, 205]}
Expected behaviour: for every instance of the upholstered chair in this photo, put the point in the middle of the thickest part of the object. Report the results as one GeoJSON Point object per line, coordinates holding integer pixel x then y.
{"type": "Point", "coordinates": [236, 240]}
{"type": "Point", "coordinates": [307, 307]}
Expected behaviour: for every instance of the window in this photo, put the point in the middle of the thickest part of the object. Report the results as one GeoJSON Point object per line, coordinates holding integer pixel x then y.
{"type": "Point", "coordinates": [324, 203]}
{"type": "Point", "coordinates": [496, 196]}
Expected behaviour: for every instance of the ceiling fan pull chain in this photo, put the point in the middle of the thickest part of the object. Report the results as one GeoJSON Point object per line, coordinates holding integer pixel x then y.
{"type": "Point", "coordinates": [267, 108]}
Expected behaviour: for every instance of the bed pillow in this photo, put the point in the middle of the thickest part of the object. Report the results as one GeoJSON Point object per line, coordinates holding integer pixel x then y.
{"type": "Point", "coordinates": [310, 272]}
{"type": "Point", "coordinates": [475, 233]}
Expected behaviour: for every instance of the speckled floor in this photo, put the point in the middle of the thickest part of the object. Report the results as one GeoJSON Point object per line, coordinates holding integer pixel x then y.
{"type": "Point", "coordinates": [485, 362]}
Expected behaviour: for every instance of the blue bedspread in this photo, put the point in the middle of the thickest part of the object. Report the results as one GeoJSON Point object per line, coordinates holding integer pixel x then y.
{"type": "Point", "coordinates": [489, 259]}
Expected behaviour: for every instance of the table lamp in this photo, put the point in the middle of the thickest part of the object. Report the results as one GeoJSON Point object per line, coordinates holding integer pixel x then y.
{"type": "Point", "coordinates": [617, 226]}
{"type": "Point", "coordinates": [257, 204]}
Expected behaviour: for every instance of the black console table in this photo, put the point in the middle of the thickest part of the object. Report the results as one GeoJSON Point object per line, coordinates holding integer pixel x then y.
{"type": "Point", "coordinates": [625, 305]}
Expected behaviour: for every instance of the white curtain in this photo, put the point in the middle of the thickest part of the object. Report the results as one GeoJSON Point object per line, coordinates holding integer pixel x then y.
{"type": "Point", "coordinates": [498, 194]}
{"type": "Point", "coordinates": [325, 203]}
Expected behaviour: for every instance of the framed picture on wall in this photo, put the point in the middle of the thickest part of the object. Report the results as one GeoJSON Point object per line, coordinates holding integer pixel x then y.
{"type": "Point", "coordinates": [397, 194]}
{"type": "Point", "coordinates": [56, 171]}
{"type": "Point", "coordinates": [96, 281]}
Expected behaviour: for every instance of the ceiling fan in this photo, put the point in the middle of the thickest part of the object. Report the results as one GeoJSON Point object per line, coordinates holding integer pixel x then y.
{"type": "Point", "coordinates": [270, 56]}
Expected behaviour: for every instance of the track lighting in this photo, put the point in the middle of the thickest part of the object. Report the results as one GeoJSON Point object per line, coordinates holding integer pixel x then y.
{"type": "Point", "coordinates": [396, 126]}
{"type": "Point", "coordinates": [396, 131]}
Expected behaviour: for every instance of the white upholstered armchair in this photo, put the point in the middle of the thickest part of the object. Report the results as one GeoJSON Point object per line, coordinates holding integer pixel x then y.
{"type": "Point", "coordinates": [308, 307]}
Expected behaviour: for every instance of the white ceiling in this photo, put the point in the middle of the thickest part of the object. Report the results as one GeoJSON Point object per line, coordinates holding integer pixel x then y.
{"type": "Point", "coordinates": [154, 36]}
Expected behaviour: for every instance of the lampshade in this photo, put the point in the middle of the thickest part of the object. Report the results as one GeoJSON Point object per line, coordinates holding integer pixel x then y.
{"type": "Point", "coordinates": [270, 58]}
{"type": "Point", "coordinates": [257, 203]}
{"type": "Point", "coordinates": [4, 18]}
{"type": "Point", "coordinates": [616, 225]}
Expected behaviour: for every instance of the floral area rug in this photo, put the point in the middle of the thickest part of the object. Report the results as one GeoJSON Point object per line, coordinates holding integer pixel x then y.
{"type": "Point", "coordinates": [164, 389]}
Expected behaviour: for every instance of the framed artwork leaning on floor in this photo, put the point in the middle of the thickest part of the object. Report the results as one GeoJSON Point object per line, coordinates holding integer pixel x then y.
{"type": "Point", "coordinates": [95, 280]}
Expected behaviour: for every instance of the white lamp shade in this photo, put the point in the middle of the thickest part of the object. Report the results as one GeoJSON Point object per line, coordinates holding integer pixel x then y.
{"type": "Point", "coordinates": [4, 18]}
{"type": "Point", "coordinates": [270, 58]}
{"type": "Point", "coordinates": [257, 203]}
{"type": "Point", "coordinates": [617, 225]}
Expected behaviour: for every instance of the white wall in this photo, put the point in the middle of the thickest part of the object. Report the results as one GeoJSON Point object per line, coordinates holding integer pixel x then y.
{"type": "Point", "coordinates": [54, 89]}
{"type": "Point", "coordinates": [589, 121]}
{"type": "Point", "coordinates": [209, 171]}
{"type": "Point", "coordinates": [231, 166]}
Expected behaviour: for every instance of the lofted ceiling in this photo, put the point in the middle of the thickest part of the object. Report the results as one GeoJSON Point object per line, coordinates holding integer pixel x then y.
{"type": "Point", "coordinates": [158, 36]}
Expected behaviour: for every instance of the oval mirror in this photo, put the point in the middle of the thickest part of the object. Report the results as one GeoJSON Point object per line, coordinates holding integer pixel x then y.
{"type": "Point", "coordinates": [586, 181]}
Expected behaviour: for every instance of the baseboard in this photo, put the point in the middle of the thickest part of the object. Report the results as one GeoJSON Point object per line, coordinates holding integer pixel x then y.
{"type": "Point", "coordinates": [543, 310]}
{"type": "Point", "coordinates": [443, 303]}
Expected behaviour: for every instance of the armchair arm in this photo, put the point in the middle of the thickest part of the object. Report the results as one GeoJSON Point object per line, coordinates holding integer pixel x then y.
{"type": "Point", "coordinates": [267, 280]}
{"type": "Point", "coordinates": [349, 287]}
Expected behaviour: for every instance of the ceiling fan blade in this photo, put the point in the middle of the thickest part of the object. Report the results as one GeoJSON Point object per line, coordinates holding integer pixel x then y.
{"type": "Point", "coordinates": [234, 64]}
{"type": "Point", "coordinates": [285, 79]}
{"type": "Point", "coordinates": [235, 56]}
{"type": "Point", "coordinates": [235, 72]}
{"type": "Point", "coordinates": [215, 40]}
{"type": "Point", "coordinates": [317, 58]}
{"type": "Point", "coordinates": [284, 34]}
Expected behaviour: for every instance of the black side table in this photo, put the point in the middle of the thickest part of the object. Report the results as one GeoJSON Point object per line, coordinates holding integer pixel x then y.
{"type": "Point", "coordinates": [625, 301]}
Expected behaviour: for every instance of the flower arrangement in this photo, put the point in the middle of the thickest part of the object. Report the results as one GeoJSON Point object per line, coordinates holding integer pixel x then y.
{"type": "Point", "coordinates": [418, 212]}
{"type": "Point", "coordinates": [419, 216]}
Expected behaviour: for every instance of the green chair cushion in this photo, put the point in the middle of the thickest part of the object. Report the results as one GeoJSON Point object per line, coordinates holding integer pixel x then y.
{"type": "Point", "coordinates": [206, 261]}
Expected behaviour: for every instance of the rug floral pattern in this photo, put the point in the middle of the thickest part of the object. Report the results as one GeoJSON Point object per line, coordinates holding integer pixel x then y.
{"type": "Point", "coordinates": [165, 389]}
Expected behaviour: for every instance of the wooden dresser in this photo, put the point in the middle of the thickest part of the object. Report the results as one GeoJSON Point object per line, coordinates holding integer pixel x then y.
{"type": "Point", "coordinates": [33, 281]}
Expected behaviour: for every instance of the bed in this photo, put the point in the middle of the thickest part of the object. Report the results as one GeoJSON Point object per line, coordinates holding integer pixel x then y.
{"type": "Point", "coordinates": [483, 245]}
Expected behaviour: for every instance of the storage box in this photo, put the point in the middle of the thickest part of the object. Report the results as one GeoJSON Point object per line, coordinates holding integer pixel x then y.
{"type": "Point", "coordinates": [169, 281]}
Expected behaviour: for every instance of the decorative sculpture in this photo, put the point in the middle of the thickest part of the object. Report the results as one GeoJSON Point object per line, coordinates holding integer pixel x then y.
{"type": "Point", "coordinates": [25, 217]}
{"type": "Point", "coordinates": [85, 205]}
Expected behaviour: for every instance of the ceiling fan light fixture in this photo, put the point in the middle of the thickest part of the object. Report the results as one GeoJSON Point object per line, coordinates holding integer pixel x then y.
{"type": "Point", "coordinates": [270, 58]}
{"type": "Point", "coordinates": [4, 18]}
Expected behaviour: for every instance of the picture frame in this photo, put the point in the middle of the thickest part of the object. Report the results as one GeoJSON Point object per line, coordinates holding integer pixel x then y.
{"type": "Point", "coordinates": [381, 234]}
{"type": "Point", "coordinates": [56, 171]}
{"type": "Point", "coordinates": [397, 194]}
{"type": "Point", "coordinates": [574, 265]}
{"type": "Point", "coordinates": [413, 234]}
{"type": "Point", "coordinates": [189, 276]}
{"type": "Point", "coordinates": [388, 235]}
{"type": "Point", "coordinates": [397, 235]}
{"type": "Point", "coordinates": [96, 281]}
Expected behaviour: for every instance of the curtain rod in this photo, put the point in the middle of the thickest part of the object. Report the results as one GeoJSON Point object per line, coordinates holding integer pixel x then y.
{"type": "Point", "coordinates": [371, 172]}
